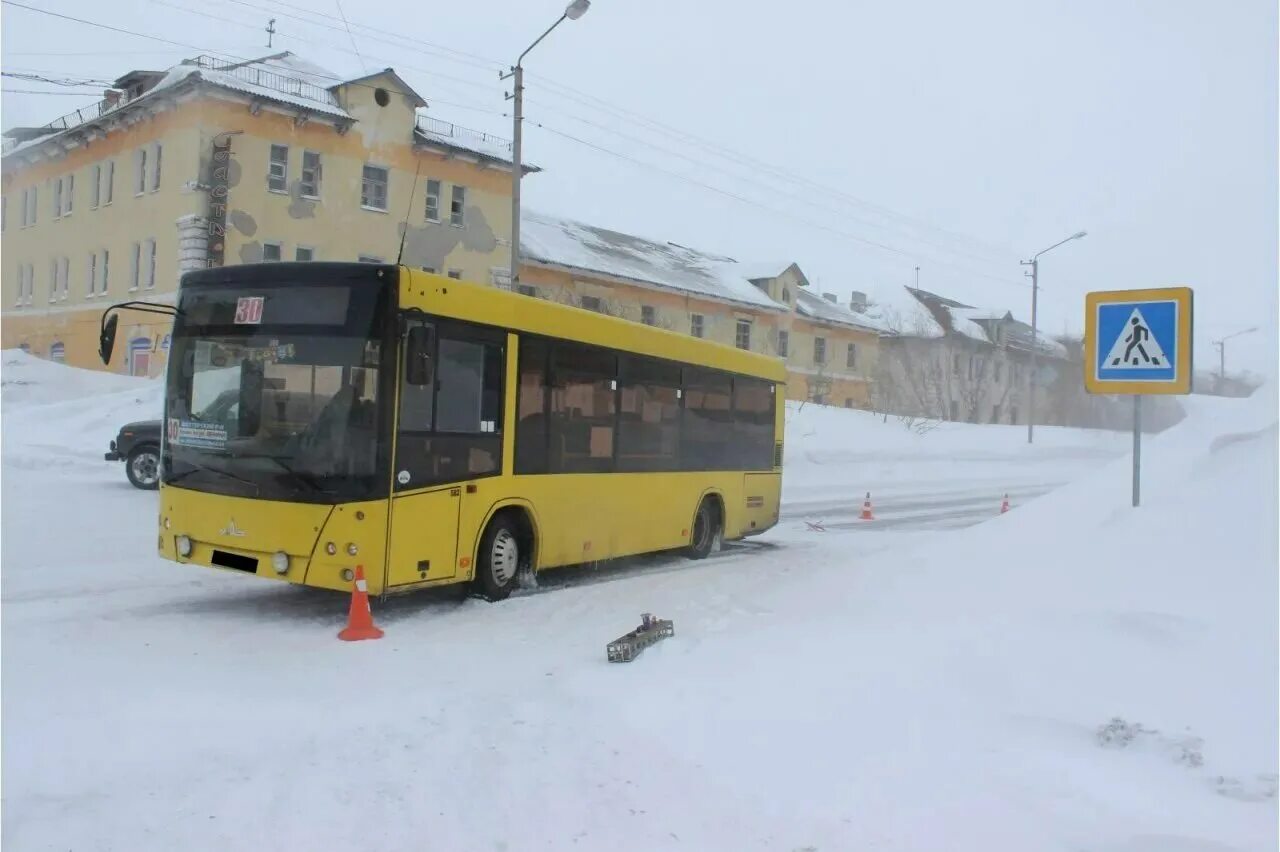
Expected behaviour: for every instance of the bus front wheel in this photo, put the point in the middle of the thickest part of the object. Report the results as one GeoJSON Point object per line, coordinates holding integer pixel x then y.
{"type": "Point", "coordinates": [499, 559]}
{"type": "Point", "coordinates": [707, 529]}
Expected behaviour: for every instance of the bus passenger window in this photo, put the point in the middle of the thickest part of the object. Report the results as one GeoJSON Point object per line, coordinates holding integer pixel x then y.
{"type": "Point", "coordinates": [582, 409]}
{"type": "Point", "coordinates": [648, 415]}
{"type": "Point", "coordinates": [531, 408]}
{"type": "Point", "coordinates": [753, 410]}
{"type": "Point", "coordinates": [708, 421]}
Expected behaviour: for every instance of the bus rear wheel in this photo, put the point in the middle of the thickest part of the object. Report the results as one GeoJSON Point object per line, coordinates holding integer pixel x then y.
{"type": "Point", "coordinates": [500, 559]}
{"type": "Point", "coordinates": [707, 529]}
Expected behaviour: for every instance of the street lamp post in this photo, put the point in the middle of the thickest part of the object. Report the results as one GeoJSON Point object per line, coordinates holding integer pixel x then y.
{"type": "Point", "coordinates": [1034, 263]}
{"type": "Point", "coordinates": [573, 12]}
{"type": "Point", "coordinates": [1222, 354]}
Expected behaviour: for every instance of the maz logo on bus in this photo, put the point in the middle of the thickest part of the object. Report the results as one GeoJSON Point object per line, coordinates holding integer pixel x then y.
{"type": "Point", "coordinates": [249, 310]}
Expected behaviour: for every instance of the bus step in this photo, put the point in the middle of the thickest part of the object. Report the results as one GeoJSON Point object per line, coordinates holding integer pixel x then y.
{"type": "Point", "coordinates": [626, 648]}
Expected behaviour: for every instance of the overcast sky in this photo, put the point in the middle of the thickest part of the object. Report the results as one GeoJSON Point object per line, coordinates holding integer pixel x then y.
{"type": "Point", "coordinates": [959, 137]}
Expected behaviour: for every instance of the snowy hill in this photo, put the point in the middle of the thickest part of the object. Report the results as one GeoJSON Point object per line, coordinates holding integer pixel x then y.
{"type": "Point", "coordinates": [1073, 675]}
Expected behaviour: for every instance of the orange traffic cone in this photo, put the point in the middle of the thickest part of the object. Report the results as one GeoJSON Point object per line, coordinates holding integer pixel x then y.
{"type": "Point", "coordinates": [360, 618]}
{"type": "Point", "coordinates": [1004, 507]}
{"type": "Point", "coordinates": [866, 509]}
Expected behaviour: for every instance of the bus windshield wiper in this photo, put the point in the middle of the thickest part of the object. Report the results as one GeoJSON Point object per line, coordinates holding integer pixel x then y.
{"type": "Point", "coordinates": [305, 478]}
{"type": "Point", "coordinates": [257, 489]}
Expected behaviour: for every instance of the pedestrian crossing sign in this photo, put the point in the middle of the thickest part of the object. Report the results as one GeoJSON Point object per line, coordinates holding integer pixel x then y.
{"type": "Point", "coordinates": [1138, 341]}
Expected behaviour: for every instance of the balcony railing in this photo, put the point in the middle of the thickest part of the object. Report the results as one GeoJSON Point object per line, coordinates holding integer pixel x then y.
{"type": "Point", "coordinates": [466, 138]}
{"type": "Point", "coordinates": [256, 75]}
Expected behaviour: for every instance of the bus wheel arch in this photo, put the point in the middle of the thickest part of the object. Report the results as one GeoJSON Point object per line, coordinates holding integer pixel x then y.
{"type": "Point", "coordinates": [706, 532]}
{"type": "Point", "coordinates": [506, 547]}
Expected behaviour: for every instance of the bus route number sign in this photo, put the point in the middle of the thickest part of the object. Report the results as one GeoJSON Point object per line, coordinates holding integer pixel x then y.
{"type": "Point", "coordinates": [249, 310]}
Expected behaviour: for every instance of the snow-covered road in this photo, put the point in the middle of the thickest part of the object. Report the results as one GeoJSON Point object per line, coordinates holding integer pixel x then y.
{"type": "Point", "coordinates": [879, 685]}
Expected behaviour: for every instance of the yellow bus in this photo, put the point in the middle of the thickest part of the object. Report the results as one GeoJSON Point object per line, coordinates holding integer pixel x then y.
{"type": "Point", "coordinates": [320, 416]}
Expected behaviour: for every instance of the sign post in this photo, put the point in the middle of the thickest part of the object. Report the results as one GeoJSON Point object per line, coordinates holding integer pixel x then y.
{"type": "Point", "coordinates": [1138, 342]}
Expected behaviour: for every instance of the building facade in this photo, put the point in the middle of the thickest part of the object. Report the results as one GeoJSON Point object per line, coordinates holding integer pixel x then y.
{"type": "Point", "coordinates": [830, 350]}
{"type": "Point", "coordinates": [212, 163]}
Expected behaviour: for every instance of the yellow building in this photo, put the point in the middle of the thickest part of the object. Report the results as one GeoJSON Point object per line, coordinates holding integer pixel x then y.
{"type": "Point", "coordinates": [830, 350]}
{"type": "Point", "coordinates": [213, 163]}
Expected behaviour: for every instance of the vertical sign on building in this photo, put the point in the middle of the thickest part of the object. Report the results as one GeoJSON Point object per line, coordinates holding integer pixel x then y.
{"type": "Point", "coordinates": [219, 169]}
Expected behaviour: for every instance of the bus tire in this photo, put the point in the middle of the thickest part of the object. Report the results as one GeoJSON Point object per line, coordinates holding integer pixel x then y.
{"type": "Point", "coordinates": [500, 558]}
{"type": "Point", "coordinates": [708, 527]}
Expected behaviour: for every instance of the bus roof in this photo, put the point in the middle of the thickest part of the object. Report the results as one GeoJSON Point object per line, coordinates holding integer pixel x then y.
{"type": "Point", "coordinates": [462, 300]}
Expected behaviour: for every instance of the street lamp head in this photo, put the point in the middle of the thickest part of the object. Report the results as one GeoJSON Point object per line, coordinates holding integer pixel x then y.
{"type": "Point", "coordinates": [1079, 235]}
{"type": "Point", "coordinates": [577, 9]}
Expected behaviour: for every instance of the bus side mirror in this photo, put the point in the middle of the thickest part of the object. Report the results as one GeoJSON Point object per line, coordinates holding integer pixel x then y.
{"type": "Point", "coordinates": [107, 338]}
{"type": "Point", "coordinates": [417, 356]}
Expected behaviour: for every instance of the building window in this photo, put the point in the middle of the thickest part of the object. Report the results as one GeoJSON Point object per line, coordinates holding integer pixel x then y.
{"type": "Point", "coordinates": [151, 264]}
{"type": "Point", "coordinates": [309, 186]}
{"type": "Point", "coordinates": [140, 171]}
{"type": "Point", "coordinates": [92, 276]}
{"type": "Point", "coordinates": [457, 204]}
{"type": "Point", "coordinates": [278, 169]}
{"type": "Point", "coordinates": [695, 325]}
{"type": "Point", "coordinates": [69, 195]}
{"type": "Point", "coordinates": [527, 290]}
{"type": "Point", "coordinates": [155, 167]}
{"type": "Point", "coordinates": [646, 314]}
{"type": "Point", "coordinates": [110, 181]}
{"type": "Point", "coordinates": [373, 188]}
{"type": "Point", "coordinates": [500, 276]}
{"type": "Point", "coordinates": [53, 280]}
{"type": "Point", "coordinates": [270, 252]}
{"type": "Point", "coordinates": [786, 295]}
{"type": "Point", "coordinates": [455, 274]}
{"type": "Point", "coordinates": [304, 254]}
{"type": "Point", "coordinates": [591, 303]}
{"type": "Point", "coordinates": [819, 350]}
{"type": "Point", "coordinates": [430, 269]}
{"type": "Point", "coordinates": [369, 258]}
{"type": "Point", "coordinates": [31, 207]}
{"type": "Point", "coordinates": [742, 337]}
{"type": "Point", "coordinates": [58, 353]}
{"type": "Point", "coordinates": [64, 270]}
{"type": "Point", "coordinates": [433, 201]}
{"type": "Point", "coordinates": [851, 357]}
{"type": "Point", "coordinates": [95, 190]}
{"type": "Point", "coordinates": [135, 266]}
{"type": "Point", "coordinates": [103, 276]}
{"type": "Point", "coordinates": [784, 343]}
{"type": "Point", "coordinates": [57, 198]}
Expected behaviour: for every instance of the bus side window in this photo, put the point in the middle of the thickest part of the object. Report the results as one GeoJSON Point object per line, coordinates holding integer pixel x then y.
{"type": "Point", "coordinates": [583, 392]}
{"type": "Point", "coordinates": [531, 408]}
{"type": "Point", "coordinates": [753, 410]}
{"type": "Point", "coordinates": [708, 421]}
{"type": "Point", "coordinates": [648, 415]}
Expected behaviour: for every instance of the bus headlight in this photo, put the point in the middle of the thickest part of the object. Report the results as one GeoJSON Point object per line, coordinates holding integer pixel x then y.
{"type": "Point", "coordinates": [280, 562]}
{"type": "Point", "coordinates": [331, 549]}
{"type": "Point", "coordinates": [184, 545]}
{"type": "Point", "coordinates": [347, 574]}
{"type": "Point", "coordinates": [352, 550]}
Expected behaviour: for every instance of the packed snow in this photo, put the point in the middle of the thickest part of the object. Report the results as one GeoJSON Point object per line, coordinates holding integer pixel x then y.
{"type": "Point", "coordinates": [1073, 675]}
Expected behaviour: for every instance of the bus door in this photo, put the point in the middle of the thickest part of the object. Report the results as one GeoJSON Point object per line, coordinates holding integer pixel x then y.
{"type": "Point", "coordinates": [447, 437]}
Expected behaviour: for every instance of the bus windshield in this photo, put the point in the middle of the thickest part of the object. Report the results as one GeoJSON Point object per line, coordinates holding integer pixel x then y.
{"type": "Point", "coordinates": [291, 409]}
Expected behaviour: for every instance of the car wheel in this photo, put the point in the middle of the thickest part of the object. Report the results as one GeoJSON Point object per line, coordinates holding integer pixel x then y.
{"type": "Point", "coordinates": [143, 467]}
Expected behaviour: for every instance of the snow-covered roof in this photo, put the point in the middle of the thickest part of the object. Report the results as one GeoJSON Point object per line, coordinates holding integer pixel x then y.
{"type": "Point", "coordinates": [435, 132]}
{"type": "Point", "coordinates": [575, 245]}
{"type": "Point", "coordinates": [282, 77]}
{"type": "Point", "coordinates": [982, 324]}
{"type": "Point", "coordinates": [818, 308]}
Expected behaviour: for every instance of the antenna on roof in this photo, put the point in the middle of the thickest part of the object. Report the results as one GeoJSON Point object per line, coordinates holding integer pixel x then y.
{"type": "Point", "coordinates": [271, 30]}
{"type": "Point", "coordinates": [404, 232]}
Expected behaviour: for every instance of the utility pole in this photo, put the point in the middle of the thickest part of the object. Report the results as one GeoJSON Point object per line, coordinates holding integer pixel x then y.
{"type": "Point", "coordinates": [917, 278]}
{"type": "Point", "coordinates": [1034, 263]}
{"type": "Point", "coordinates": [271, 30]}
{"type": "Point", "coordinates": [1222, 355]}
{"type": "Point", "coordinates": [575, 10]}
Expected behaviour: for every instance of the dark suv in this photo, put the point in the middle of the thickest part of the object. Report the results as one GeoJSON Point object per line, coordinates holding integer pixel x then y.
{"type": "Point", "coordinates": [138, 444]}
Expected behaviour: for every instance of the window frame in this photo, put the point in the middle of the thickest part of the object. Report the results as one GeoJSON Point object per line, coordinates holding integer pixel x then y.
{"type": "Point", "coordinates": [140, 176]}
{"type": "Point", "coordinates": [851, 357]}
{"type": "Point", "coordinates": [317, 175]}
{"type": "Point", "coordinates": [432, 201]}
{"type": "Point", "coordinates": [819, 351]}
{"type": "Point", "coordinates": [299, 249]}
{"type": "Point", "coordinates": [697, 326]}
{"type": "Point", "coordinates": [157, 151]}
{"type": "Point", "coordinates": [272, 164]}
{"type": "Point", "coordinates": [366, 181]}
{"type": "Point", "coordinates": [648, 316]}
{"type": "Point", "coordinates": [458, 205]}
{"type": "Point", "coordinates": [784, 343]}
{"type": "Point", "coordinates": [279, 249]}
{"type": "Point", "coordinates": [95, 192]}
{"type": "Point", "coordinates": [739, 338]}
